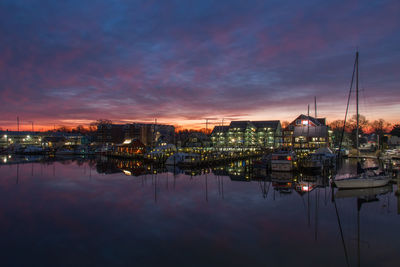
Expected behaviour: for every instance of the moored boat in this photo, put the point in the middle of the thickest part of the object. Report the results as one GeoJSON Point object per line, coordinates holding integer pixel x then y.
{"type": "Point", "coordinates": [283, 161]}
{"type": "Point", "coordinates": [362, 182]}
{"type": "Point", "coordinates": [363, 179]}
{"type": "Point", "coordinates": [321, 158]}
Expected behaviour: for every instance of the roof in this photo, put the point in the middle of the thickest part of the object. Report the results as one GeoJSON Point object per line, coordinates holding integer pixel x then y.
{"type": "Point", "coordinates": [239, 124]}
{"type": "Point", "coordinates": [220, 129]}
{"type": "Point", "coordinates": [316, 121]}
{"type": "Point", "coordinates": [20, 133]}
{"type": "Point", "coordinates": [318, 131]}
{"type": "Point", "coordinates": [54, 139]}
{"type": "Point", "coordinates": [266, 124]}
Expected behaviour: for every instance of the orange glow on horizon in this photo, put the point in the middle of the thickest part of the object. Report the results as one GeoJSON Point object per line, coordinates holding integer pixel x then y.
{"type": "Point", "coordinates": [41, 126]}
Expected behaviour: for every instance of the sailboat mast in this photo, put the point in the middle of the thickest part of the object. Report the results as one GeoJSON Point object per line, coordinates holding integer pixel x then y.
{"type": "Point", "coordinates": [358, 116]}
{"type": "Point", "coordinates": [308, 127]}
{"type": "Point", "coordinates": [315, 105]}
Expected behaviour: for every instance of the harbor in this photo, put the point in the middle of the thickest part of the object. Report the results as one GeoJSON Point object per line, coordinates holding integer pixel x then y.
{"type": "Point", "coordinates": [298, 207]}
{"type": "Point", "coordinates": [199, 133]}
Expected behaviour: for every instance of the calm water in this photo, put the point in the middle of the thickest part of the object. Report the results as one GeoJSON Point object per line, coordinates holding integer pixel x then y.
{"type": "Point", "coordinates": [91, 213]}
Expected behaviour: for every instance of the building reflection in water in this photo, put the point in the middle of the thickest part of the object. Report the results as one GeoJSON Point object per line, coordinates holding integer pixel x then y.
{"type": "Point", "coordinates": [241, 171]}
{"type": "Point", "coordinates": [282, 183]}
{"type": "Point", "coordinates": [298, 192]}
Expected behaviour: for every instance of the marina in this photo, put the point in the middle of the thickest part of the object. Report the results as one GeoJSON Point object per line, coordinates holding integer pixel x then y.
{"type": "Point", "coordinates": [191, 215]}
{"type": "Point", "coordinates": [199, 133]}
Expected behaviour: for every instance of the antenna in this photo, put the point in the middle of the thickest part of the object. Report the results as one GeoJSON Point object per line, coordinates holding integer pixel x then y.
{"type": "Point", "coordinates": [17, 123]}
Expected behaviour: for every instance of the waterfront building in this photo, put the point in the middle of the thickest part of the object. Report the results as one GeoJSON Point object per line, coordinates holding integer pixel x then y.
{"type": "Point", "coordinates": [110, 133]}
{"type": "Point", "coordinates": [41, 139]}
{"type": "Point", "coordinates": [163, 132]}
{"type": "Point", "coordinates": [54, 142]}
{"type": "Point", "coordinates": [248, 134]}
{"type": "Point", "coordinates": [268, 134]}
{"type": "Point", "coordinates": [393, 140]}
{"type": "Point", "coordinates": [219, 136]}
{"type": "Point", "coordinates": [24, 138]}
{"type": "Point", "coordinates": [196, 142]}
{"type": "Point", "coordinates": [306, 134]}
{"type": "Point", "coordinates": [241, 134]}
{"type": "Point", "coordinates": [148, 134]}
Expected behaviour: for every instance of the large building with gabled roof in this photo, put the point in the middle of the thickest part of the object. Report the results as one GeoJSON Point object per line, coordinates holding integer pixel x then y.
{"type": "Point", "coordinates": [306, 134]}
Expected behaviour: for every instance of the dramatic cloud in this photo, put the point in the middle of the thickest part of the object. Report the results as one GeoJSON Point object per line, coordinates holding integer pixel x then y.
{"type": "Point", "coordinates": [68, 62]}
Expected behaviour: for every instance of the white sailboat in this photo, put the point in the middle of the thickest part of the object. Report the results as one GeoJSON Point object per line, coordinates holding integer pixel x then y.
{"type": "Point", "coordinates": [366, 179]}
{"type": "Point", "coordinates": [362, 182]}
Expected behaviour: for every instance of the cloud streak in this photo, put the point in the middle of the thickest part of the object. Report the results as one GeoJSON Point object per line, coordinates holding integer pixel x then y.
{"type": "Point", "coordinates": [181, 62]}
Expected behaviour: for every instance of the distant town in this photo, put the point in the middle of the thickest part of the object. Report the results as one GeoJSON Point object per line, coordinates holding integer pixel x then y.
{"type": "Point", "coordinates": [304, 135]}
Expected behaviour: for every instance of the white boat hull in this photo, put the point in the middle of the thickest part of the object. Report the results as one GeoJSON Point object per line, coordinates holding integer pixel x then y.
{"type": "Point", "coordinates": [363, 192]}
{"type": "Point", "coordinates": [358, 182]}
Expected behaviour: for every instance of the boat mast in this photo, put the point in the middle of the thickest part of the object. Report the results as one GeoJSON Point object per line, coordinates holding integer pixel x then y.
{"type": "Point", "coordinates": [308, 127]}
{"type": "Point", "coordinates": [347, 107]}
{"type": "Point", "coordinates": [357, 130]}
{"type": "Point", "coordinates": [315, 105]}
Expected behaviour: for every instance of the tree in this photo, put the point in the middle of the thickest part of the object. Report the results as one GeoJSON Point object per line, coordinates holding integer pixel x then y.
{"type": "Point", "coordinates": [337, 129]}
{"type": "Point", "coordinates": [362, 122]}
{"type": "Point", "coordinates": [80, 129]}
{"type": "Point", "coordinates": [353, 136]}
{"type": "Point", "coordinates": [395, 130]}
{"type": "Point", "coordinates": [102, 122]}
{"type": "Point", "coordinates": [62, 129]}
{"type": "Point", "coordinates": [380, 126]}
{"type": "Point", "coordinates": [92, 128]}
{"type": "Point", "coordinates": [94, 125]}
{"type": "Point", "coordinates": [336, 125]}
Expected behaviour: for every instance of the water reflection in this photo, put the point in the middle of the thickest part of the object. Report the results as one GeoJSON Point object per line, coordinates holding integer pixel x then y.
{"type": "Point", "coordinates": [102, 212]}
{"type": "Point", "coordinates": [362, 197]}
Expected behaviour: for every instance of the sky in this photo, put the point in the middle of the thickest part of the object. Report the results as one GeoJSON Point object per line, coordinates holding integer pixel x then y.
{"type": "Point", "coordinates": [180, 62]}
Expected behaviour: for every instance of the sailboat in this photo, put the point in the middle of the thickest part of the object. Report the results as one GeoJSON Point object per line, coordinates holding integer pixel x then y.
{"type": "Point", "coordinates": [363, 179]}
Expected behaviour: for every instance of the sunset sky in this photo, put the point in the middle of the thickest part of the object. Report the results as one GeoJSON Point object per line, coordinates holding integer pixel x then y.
{"type": "Point", "coordinates": [72, 62]}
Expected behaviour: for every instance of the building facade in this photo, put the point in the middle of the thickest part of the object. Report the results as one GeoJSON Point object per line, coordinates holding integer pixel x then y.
{"type": "Point", "coordinates": [306, 134]}
{"type": "Point", "coordinates": [248, 134]}
{"type": "Point", "coordinates": [110, 133]}
{"type": "Point", "coordinates": [148, 134]}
